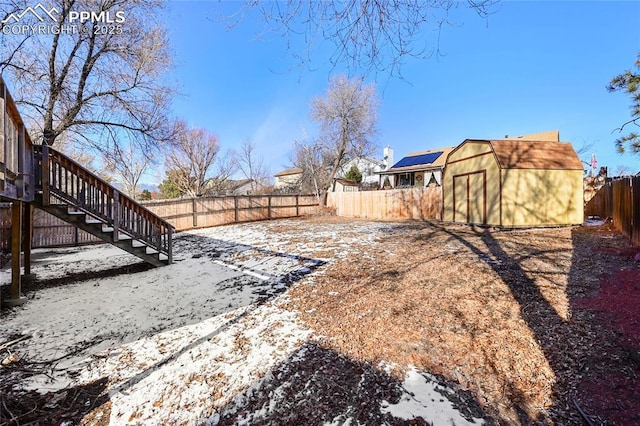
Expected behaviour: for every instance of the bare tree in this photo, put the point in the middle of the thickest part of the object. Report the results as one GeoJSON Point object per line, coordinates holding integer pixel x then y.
{"type": "Point", "coordinates": [347, 115]}
{"type": "Point", "coordinates": [194, 163]}
{"type": "Point", "coordinates": [310, 157]}
{"type": "Point", "coordinates": [368, 35]}
{"type": "Point", "coordinates": [251, 165]}
{"type": "Point", "coordinates": [128, 166]}
{"type": "Point", "coordinates": [98, 83]}
{"type": "Point", "coordinates": [623, 170]}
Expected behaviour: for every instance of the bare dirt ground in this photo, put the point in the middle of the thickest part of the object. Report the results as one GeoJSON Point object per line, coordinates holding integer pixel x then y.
{"type": "Point", "coordinates": [516, 327]}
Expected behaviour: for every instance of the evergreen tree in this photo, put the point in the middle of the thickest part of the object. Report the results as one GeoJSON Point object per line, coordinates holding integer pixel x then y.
{"type": "Point", "coordinates": [354, 174]}
{"type": "Point", "coordinates": [168, 187]}
{"type": "Point", "coordinates": [629, 83]}
{"type": "Point", "coordinates": [145, 195]}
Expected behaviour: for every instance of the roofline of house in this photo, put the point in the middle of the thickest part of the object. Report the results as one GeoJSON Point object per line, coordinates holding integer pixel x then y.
{"type": "Point", "coordinates": [288, 172]}
{"type": "Point", "coordinates": [418, 168]}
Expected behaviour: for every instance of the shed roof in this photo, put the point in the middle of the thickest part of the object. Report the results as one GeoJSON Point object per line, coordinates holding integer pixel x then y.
{"type": "Point", "coordinates": [526, 154]}
{"type": "Point", "coordinates": [346, 182]}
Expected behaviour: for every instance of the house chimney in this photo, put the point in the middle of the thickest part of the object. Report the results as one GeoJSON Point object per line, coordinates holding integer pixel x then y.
{"type": "Point", "coordinates": [387, 157]}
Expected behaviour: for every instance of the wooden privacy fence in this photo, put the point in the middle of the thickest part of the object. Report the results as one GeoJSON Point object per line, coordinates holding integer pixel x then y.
{"type": "Point", "coordinates": [213, 211]}
{"type": "Point", "coordinates": [619, 200]}
{"type": "Point", "coordinates": [49, 231]}
{"type": "Point", "coordinates": [410, 203]}
{"type": "Point", "coordinates": [183, 214]}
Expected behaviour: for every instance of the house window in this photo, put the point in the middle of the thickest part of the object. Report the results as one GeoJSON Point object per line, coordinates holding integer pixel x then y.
{"type": "Point", "coordinates": [406, 179]}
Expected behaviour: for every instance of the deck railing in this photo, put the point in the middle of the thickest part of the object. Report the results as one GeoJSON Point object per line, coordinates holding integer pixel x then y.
{"type": "Point", "coordinates": [62, 180]}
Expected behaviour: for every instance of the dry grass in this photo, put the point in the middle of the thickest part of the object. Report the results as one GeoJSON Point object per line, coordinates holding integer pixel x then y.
{"type": "Point", "coordinates": [489, 309]}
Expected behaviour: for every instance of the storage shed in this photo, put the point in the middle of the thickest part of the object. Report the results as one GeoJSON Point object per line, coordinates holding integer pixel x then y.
{"type": "Point", "coordinates": [513, 183]}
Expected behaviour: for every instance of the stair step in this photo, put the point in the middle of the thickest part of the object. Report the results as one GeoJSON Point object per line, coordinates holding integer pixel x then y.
{"type": "Point", "coordinates": [97, 225]}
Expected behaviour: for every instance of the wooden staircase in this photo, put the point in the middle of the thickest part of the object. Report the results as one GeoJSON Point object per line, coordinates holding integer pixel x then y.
{"type": "Point", "coordinates": [72, 193]}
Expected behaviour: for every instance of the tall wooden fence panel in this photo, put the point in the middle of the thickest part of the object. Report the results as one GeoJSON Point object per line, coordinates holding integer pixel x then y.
{"type": "Point", "coordinates": [410, 203]}
{"type": "Point", "coordinates": [49, 231]}
{"type": "Point", "coordinates": [619, 200]}
{"type": "Point", "coordinates": [601, 204]}
{"type": "Point", "coordinates": [213, 211]}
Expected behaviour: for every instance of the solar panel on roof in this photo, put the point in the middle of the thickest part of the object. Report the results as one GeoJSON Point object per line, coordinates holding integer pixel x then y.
{"type": "Point", "coordinates": [417, 160]}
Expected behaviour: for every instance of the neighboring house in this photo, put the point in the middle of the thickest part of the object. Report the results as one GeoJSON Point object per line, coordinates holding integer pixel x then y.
{"type": "Point", "coordinates": [287, 179]}
{"type": "Point", "coordinates": [418, 169]}
{"type": "Point", "coordinates": [514, 182]}
{"type": "Point", "coordinates": [549, 136]}
{"type": "Point", "coordinates": [369, 167]}
{"type": "Point", "coordinates": [344, 185]}
{"type": "Point", "coordinates": [239, 187]}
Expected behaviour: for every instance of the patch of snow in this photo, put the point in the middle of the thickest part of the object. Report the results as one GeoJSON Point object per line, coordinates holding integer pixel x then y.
{"type": "Point", "coordinates": [181, 342]}
{"type": "Point", "coordinates": [185, 375]}
{"type": "Point", "coordinates": [424, 397]}
{"type": "Point", "coordinates": [594, 221]}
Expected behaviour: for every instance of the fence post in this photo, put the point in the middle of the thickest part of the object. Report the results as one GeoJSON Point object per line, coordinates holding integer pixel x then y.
{"type": "Point", "coordinates": [235, 203]}
{"type": "Point", "coordinates": [269, 206]}
{"type": "Point", "coordinates": [297, 205]}
{"type": "Point", "coordinates": [194, 212]}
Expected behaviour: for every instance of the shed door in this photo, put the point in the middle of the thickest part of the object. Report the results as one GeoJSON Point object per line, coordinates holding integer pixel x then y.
{"type": "Point", "coordinates": [470, 198]}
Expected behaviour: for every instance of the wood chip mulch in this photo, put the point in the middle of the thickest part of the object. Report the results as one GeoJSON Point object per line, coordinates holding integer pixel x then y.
{"type": "Point", "coordinates": [500, 312]}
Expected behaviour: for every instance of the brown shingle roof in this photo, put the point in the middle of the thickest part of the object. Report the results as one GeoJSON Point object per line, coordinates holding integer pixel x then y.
{"type": "Point", "coordinates": [524, 154]}
{"type": "Point", "coordinates": [287, 172]}
{"type": "Point", "coordinates": [549, 136]}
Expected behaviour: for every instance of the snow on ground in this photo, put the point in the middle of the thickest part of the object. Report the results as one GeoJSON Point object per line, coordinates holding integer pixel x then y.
{"type": "Point", "coordinates": [179, 342]}
{"type": "Point", "coordinates": [422, 396]}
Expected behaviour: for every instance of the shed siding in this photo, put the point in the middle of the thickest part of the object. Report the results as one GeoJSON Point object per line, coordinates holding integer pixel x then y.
{"type": "Point", "coordinates": [466, 161]}
{"type": "Point", "coordinates": [476, 190]}
{"type": "Point", "coordinates": [541, 197]}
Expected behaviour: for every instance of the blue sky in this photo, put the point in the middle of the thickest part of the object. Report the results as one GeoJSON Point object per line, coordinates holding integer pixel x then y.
{"type": "Point", "coordinates": [529, 67]}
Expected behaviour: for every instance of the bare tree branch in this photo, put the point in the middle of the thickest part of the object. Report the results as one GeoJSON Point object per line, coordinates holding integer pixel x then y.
{"type": "Point", "coordinates": [94, 83]}
{"type": "Point", "coordinates": [252, 166]}
{"type": "Point", "coordinates": [368, 35]}
{"type": "Point", "coordinates": [194, 163]}
{"type": "Point", "coordinates": [348, 116]}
